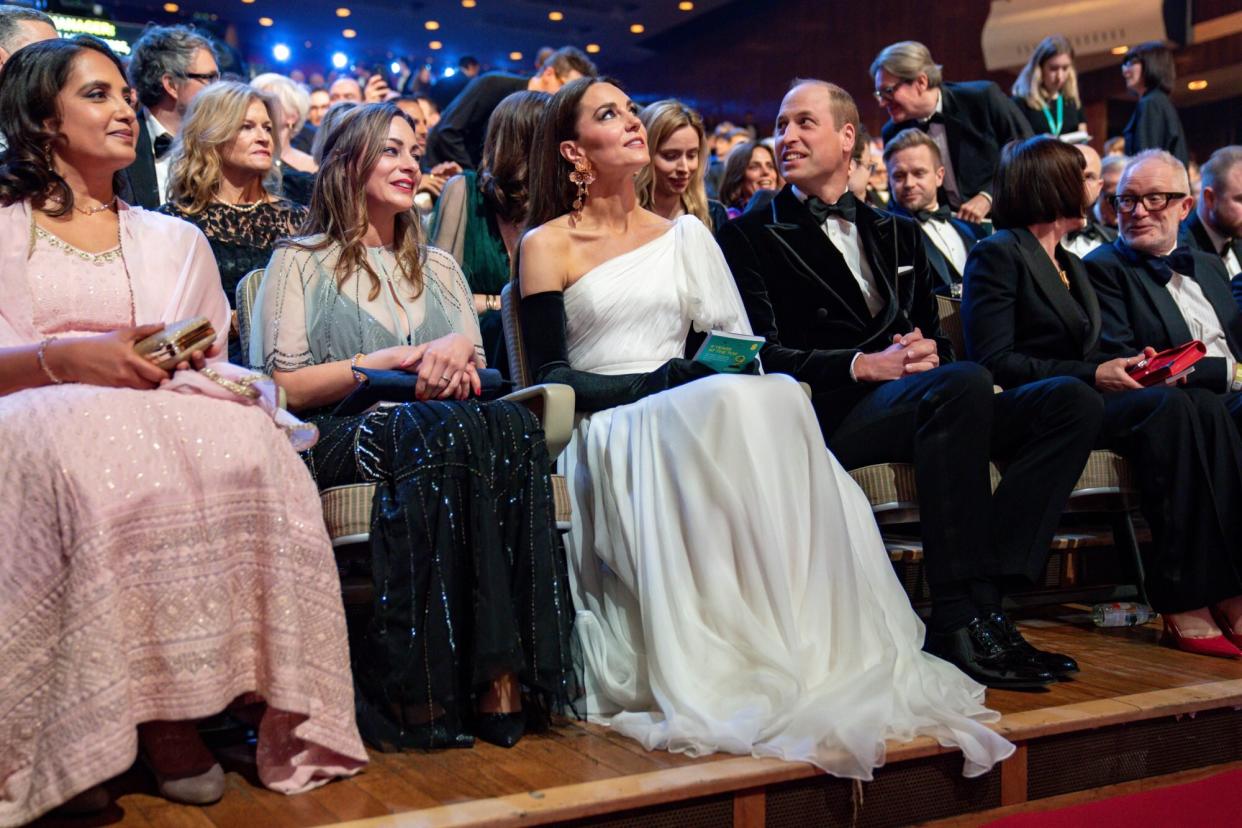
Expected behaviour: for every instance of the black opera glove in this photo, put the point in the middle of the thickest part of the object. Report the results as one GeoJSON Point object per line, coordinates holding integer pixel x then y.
{"type": "Point", "coordinates": [547, 354]}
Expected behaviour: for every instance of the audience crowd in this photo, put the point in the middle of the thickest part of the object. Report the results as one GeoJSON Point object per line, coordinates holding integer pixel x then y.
{"type": "Point", "coordinates": [722, 585]}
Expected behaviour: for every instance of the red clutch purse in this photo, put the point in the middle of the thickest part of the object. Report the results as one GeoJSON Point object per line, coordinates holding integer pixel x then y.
{"type": "Point", "coordinates": [1168, 366]}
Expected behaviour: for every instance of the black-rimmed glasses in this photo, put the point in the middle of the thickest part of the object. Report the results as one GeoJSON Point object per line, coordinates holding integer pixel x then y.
{"type": "Point", "coordinates": [885, 93]}
{"type": "Point", "coordinates": [201, 77]}
{"type": "Point", "coordinates": [1152, 202]}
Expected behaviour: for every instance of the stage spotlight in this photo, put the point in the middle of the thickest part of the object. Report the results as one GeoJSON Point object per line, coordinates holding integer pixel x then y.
{"type": "Point", "coordinates": [395, 66]}
{"type": "Point", "coordinates": [449, 71]}
{"type": "Point", "coordinates": [281, 52]}
{"type": "Point", "coordinates": [340, 60]}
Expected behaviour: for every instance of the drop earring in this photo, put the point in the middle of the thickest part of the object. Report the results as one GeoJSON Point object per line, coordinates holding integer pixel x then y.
{"type": "Point", "coordinates": [583, 176]}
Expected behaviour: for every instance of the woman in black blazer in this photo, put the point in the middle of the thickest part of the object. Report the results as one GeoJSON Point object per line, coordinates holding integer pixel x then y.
{"type": "Point", "coordinates": [1149, 73]}
{"type": "Point", "coordinates": [1030, 312]}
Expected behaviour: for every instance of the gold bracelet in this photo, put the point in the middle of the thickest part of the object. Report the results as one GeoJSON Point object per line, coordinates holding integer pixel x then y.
{"type": "Point", "coordinates": [353, 368]}
{"type": "Point", "coordinates": [493, 302]}
{"type": "Point", "coordinates": [41, 355]}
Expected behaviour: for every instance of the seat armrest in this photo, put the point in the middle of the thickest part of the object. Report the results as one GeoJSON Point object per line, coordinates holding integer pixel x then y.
{"type": "Point", "coordinates": [553, 404]}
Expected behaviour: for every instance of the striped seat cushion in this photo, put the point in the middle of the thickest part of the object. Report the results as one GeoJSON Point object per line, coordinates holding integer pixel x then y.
{"type": "Point", "coordinates": [347, 509]}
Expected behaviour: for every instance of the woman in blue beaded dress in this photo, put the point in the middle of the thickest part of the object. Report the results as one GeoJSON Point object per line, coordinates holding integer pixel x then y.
{"type": "Point", "coordinates": [470, 586]}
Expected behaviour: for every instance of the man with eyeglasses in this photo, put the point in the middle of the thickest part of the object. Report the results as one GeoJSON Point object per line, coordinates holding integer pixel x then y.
{"type": "Point", "coordinates": [969, 122]}
{"type": "Point", "coordinates": [168, 67]}
{"type": "Point", "coordinates": [1215, 226]}
{"type": "Point", "coordinates": [1156, 294]}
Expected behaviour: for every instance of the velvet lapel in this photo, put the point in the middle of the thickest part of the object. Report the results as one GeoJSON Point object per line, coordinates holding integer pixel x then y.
{"type": "Point", "coordinates": [813, 256]}
{"type": "Point", "coordinates": [877, 235]}
{"type": "Point", "coordinates": [1061, 300]}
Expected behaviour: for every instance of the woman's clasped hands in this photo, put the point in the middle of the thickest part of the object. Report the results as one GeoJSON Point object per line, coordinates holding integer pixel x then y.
{"type": "Point", "coordinates": [446, 367]}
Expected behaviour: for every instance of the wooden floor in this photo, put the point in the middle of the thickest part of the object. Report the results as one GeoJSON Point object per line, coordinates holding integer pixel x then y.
{"type": "Point", "coordinates": [577, 769]}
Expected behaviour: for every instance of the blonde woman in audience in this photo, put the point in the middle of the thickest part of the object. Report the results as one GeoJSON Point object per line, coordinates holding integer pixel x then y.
{"type": "Point", "coordinates": [164, 545]}
{"type": "Point", "coordinates": [733, 593]}
{"type": "Point", "coordinates": [223, 179]}
{"type": "Point", "coordinates": [1046, 90]}
{"type": "Point", "coordinates": [672, 184]}
{"type": "Point", "coordinates": [296, 166]}
{"type": "Point", "coordinates": [470, 604]}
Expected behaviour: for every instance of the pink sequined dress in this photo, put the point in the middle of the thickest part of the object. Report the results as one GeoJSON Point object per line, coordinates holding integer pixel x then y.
{"type": "Point", "coordinates": [161, 553]}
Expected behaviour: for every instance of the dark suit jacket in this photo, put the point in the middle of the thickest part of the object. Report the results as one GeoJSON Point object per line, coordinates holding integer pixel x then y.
{"type": "Point", "coordinates": [463, 126]}
{"type": "Point", "coordinates": [979, 119]}
{"type": "Point", "coordinates": [1195, 236]}
{"type": "Point", "coordinates": [947, 274]}
{"type": "Point", "coordinates": [1155, 125]}
{"type": "Point", "coordinates": [1137, 312]}
{"type": "Point", "coordinates": [1018, 319]}
{"type": "Point", "coordinates": [801, 297]}
{"type": "Point", "coordinates": [140, 185]}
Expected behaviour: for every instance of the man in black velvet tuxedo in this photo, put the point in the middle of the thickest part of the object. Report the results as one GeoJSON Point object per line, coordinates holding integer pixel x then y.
{"type": "Point", "coordinates": [1156, 294]}
{"type": "Point", "coordinates": [843, 295]}
{"type": "Point", "coordinates": [1215, 225]}
{"type": "Point", "coordinates": [168, 67]}
{"type": "Point", "coordinates": [915, 173]}
{"type": "Point", "coordinates": [970, 122]}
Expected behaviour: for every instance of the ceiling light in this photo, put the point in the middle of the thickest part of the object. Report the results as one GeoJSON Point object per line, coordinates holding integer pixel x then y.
{"type": "Point", "coordinates": [515, 56]}
{"type": "Point", "coordinates": [468, 4]}
{"type": "Point", "coordinates": [281, 52]}
{"type": "Point", "coordinates": [340, 60]}
{"type": "Point", "coordinates": [266, 21]}
{"type": "Point", "coordinates": [307, 44]}
{"type": "Point", "coordinates": [431, 25]}
{"type": "Point", "coordinates": [171, 8]}
{"type": "Point", "coordinates": [1119, 50]}
{"type": "Point", "coordinates": [343, 12]}
{"type": "Point", "coordinates": [247, 2]}
{"type": "Point", "coordinates": [348, 33]}
{"type": "Point", "coordinates": [637, 28]}
{"type": "Point", "coordinates": [435, 45]}
{"type": "Point", "coordinates": [555, 15]}
{"type": "Point", "coordinates": [1196, 85]}
{"type": "Point", "coordinates": [685, 5]}
{"type": "Point", "coordinates": [592, 48]}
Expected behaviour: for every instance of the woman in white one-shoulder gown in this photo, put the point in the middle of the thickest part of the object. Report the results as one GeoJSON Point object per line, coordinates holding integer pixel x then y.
{"type": "Point", "coordinates": [733, 593]}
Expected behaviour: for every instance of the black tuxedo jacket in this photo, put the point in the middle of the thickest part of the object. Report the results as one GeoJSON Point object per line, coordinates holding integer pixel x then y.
{"type": "Point", "coordinates": [979, 119]}
{"type": "Point", "coordinates": [1195, 236]}
{"type": "Point", "coordinates": [802, 298]}
{"type": "Point", "coordinates": [1137, 312]}
{"type": "Point", "coordinates": [140, 184]}
{"type": "Point", "coordinates": [1019, 320]}
{"type": "Point", "coordinates": [970, 234]}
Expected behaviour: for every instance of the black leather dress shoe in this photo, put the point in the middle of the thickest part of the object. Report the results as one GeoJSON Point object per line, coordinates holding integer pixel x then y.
{"type": "Point", "coordinates": [501, 729]}
{"type": "Point", "coordinates": [1059, 664]}
{"type": "Point", "coordinates": [978, 651]}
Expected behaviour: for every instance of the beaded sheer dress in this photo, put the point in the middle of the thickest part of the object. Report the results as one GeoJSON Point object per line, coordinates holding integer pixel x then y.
{"type": "Point", "coordinates": [469, 576]}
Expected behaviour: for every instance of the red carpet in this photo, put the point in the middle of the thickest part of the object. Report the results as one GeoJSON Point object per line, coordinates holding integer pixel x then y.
{"type": "Point", "coordinates": [1213, 801]}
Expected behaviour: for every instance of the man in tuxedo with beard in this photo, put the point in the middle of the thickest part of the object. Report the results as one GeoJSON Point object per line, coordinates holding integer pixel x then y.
{"type": "Point", "coordinates": [844, 296]}
{"type": "Point", "coordinates": [1215, 225]}
{"type": "Point", "coordinates": [915, 173]}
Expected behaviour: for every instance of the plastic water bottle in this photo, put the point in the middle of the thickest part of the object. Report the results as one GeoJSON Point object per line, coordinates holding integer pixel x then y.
{"type": "Point", "coordinates": [1121, 614]}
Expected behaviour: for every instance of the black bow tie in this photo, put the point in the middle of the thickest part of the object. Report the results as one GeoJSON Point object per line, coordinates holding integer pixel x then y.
{"type": "Point", "coordinates": [936, 118]}
{"type": "Point", "coordinates": [163, 142]}
{"type": "Point", "coordinates": [1090, 231]}
{"type": "Point", "coordinates": [1161, 268]}
{"type": "Point", "coordinates": [941, 213]}
{"type": "Point", "coordinates": [846, 208]}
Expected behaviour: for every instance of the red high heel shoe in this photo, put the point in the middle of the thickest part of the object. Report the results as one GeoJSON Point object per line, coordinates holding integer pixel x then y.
{"type": "Point", "coordinates": [1216, 645]}
{"type": "Point", "coordinates": [1226, 627]}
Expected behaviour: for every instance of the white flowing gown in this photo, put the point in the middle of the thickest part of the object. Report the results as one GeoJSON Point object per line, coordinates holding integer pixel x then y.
{"type": "Point", "coordinates": [733, 592]}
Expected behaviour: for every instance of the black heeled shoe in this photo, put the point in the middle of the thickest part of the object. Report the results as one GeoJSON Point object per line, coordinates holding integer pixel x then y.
{"type": "Point", "coordinates": [500, 729]}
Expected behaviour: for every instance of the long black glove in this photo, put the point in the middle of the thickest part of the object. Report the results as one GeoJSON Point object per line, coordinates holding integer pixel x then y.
{"type": "Point", "coordinates": [543, 334]}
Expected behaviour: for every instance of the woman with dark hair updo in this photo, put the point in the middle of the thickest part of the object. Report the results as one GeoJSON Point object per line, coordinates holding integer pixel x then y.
{"type": "Point", "coordinates": [222, 178]}
{"type": "Point", "coordinates": [480, 214]}
{"type": "Point", "coordinates": [1149, 73]}
{"type": "Point", "coordinates": [1046, 90]}
{"type": "Point", "coordinates": [748, 169]}
{"type": "Point", "coordinates": [733, 593]}
{"type": "Point", "coordinates": [1030, 312]}
{"type": "Point", "coordinates": [470, 595]}
{"type": "Point", "coordinates": [164, 548]}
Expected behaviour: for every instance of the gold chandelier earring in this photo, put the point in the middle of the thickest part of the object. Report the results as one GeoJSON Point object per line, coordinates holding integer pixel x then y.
{"type": "Point", "coordinates": [583, 176]}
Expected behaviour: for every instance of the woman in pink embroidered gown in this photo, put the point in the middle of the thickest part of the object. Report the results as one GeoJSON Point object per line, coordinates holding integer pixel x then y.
{"type": "Point", "coordinates": [164, 552]}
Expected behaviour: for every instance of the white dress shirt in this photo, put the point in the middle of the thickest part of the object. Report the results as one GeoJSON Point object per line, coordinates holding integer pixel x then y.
{"type": "Point", "coordinates": [1081, 245]}
{"type": "Point", "coordinates": [938, 134]}
{"type": "Point", "coordinates": [1232, 266]}
{"type": "Point", "coordinates": [154, 130]}
{"type": "Point", "coordinates": [948, 241]}
{"type": "Point", "coordinates": [844, 237]}
{"type": "Point", "coordinates": [1202, 320]}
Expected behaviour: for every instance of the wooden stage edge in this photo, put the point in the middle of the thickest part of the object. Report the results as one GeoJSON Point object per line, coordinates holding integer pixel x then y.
{"type": "Point", "coordinates": [747, 773]}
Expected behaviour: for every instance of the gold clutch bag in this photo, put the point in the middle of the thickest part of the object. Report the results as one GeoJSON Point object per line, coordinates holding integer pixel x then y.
{"type": "Point", "coordinates": [177, 342]}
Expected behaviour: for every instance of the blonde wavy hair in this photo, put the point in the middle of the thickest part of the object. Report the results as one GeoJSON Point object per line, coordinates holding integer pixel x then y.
{"type": "Point", "coordinates": [338, 207]}
{"type": "Point", "coordinates": [212, 122]}
{"type": "Point", "coordinates": [662, 119]}
{"type": "Point", "coordinates": [1030, 83]}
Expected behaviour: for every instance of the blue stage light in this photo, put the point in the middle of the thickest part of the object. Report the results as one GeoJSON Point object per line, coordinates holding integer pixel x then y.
{"type": "Point", "coordinates": [449, 71]}
{"type": "Point", "coordinates": [395, 66]}
{"type": "Point", "coordinates": [281, 52]}
{"type": "Point", "coordinates": [340, 60]}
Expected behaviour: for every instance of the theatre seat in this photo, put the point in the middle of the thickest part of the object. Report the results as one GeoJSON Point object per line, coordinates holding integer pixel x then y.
{"type": "Point", "coordinates": [347, 509]}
